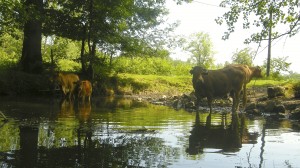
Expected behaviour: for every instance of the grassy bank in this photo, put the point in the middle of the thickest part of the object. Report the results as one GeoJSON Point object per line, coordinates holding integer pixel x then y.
{"type": "Point", "coordinates": [19, 83]}
{"type": "Point", "coordinates": [154, 84]}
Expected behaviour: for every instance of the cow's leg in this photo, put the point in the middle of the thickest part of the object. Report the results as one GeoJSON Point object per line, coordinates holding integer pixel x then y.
{"type": "Point", "coordinates": [209, 101]}
{"type": "Point", "coordinates": [235, 104]}
{"type": "Point", "coordinates": [64, 92]}
{"type": "Point", "coordinates": [244, 96]}
{"type": "Point", "coordinates": [233, 109]}
{"type": "Point", "coordinates": [197, 103]}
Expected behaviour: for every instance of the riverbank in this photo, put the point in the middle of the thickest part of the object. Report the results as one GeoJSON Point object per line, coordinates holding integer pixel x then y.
{"type": "Point", "coordinates": [173, 91]}
{"type": "Point", "coordinates": [16, 83]}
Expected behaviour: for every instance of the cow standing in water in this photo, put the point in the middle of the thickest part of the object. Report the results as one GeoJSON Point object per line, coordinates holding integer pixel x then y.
{"type": "Point", "coordinates": [217, 84]}
{"type": "Point", "coordinates": [249, 73]}
{"type": "Point", "coordinates": [84, 90]}
{"type": "Point", "coordinates": [67, 83]}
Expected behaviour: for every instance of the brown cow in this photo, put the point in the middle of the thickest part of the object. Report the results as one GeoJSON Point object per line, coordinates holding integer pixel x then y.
{"type": "Point", "coordinates": [250, 73]}
{"type": "Point", "coordinates": [84, 90]}
{"type": "Point", "coordinates": [66, 81]}
{"type": "Point", "coordinates": [218, 83]}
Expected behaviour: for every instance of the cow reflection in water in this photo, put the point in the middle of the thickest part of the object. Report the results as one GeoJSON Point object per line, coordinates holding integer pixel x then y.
{"type": "Point", "coordinates": [83, 111]}
{"type": "Point", "coordinates": [66, 109]}
{"type": "Point", "coordinates": [228, 138]}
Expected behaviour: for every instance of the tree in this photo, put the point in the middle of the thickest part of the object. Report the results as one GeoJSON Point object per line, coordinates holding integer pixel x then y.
{"type": "Point", "coordinates": [127, 24]}
{"type": "Point", "coordinates": [285, 17]}
{"type": "Point", "coordinates": [31, 60]}
{"type": "Point", "coordinates": [200, 47]}
{"type": "Point", "coordinates": [278, 66]}
{"type": "Point", "coordinates": [244, 56]}
{"type": "Point", "coordinates": [272, 19]}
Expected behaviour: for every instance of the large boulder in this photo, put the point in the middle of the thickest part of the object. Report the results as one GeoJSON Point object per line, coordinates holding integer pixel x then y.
{"type": "Point", "coordinates": [275, 91]}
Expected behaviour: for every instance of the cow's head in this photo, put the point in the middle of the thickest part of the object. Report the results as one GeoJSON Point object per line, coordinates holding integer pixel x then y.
{"type": "Point", "coordinates": [256, 72]}
{"type": "Point", "coordinates": [197, 73]}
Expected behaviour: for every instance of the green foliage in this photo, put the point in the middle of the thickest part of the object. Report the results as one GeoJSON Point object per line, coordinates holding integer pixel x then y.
{"type": "Point", "coordinates": [296, 90]}
{"type": "Point", "coordinates": [68, 65]}
{"type": "Point", "coordinates": [126, 26]}
{"type": "Point", "coordinates": [10, 50]}
{"type": "Point", "coordinates": [278, 66]}
{"type": "Point", "coordinates": [244, 56]}
{"type": "Point", "coordinates": [154, 66]}
{"type": "Point", "coordinates": [200, 46]}
{"type": "Point", "coordinates": [285, 16]}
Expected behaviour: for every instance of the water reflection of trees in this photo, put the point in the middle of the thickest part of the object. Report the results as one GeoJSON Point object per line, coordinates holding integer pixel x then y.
{"type": "Point", "coordinates": [87, 144]}
{"type": "Point", "coordinates": [228, 138]}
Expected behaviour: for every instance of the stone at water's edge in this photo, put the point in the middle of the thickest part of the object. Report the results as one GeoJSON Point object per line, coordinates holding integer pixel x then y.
{"type": "Point", "coordinates": [275, 91]}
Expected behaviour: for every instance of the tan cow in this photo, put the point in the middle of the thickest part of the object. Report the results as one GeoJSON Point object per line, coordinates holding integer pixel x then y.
{"type": "Point", "coordinates": [250, 73]}
{"type": "Point", "coordinates": [84, 90]}
{"type": "Point", "coordinates": [218, 83]}
{"type": "Point", "coordinates": [67, 83]}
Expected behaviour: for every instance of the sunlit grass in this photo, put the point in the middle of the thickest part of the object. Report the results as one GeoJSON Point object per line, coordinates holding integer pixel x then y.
{"type": "Point", "coordinates": [183, 84]}
{"type": "Point", "coordinates": [158, 84]}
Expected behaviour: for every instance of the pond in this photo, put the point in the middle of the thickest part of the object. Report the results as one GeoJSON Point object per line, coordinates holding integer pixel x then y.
{"type": "Point", "coordinates": [123, 132]}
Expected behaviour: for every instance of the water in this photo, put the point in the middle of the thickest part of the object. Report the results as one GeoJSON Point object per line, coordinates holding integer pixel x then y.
{"type": "Point", "coordinates": [118, 132]}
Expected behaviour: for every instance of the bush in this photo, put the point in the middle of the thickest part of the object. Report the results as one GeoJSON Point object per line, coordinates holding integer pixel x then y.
{"type": "Point", "coordinates": [296, 90]}
{"type": "Point", "coordinates": [153, 66]}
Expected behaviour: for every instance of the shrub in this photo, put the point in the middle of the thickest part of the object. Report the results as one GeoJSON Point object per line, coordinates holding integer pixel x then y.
{"type": "Point", "coordinates": [151, 66]}
{"type": "Point", "coordinates": [296, 90]}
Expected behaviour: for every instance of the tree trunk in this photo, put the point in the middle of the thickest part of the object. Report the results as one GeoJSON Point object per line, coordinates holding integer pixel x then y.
{"type": "Point", "coordinates": [31, 60]}
{"type": "Point", "coordinates": [92, 55]}
{"type": "Point", "coordinates": [83, 62]}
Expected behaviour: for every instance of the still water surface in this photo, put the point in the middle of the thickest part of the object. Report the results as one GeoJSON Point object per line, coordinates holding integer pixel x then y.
{"type": "Point", "coordinates": [119, 132]}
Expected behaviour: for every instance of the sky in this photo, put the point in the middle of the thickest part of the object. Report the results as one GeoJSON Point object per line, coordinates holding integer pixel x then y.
{"type": "Point", "coordinates": [200, 15]}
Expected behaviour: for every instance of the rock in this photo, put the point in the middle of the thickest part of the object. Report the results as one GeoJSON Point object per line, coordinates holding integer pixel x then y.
{"type": "Point", "coordinates": [295, 114]}
{"type": "Point", "coordinates": [163, 98]}
{"type": "Point", "coordinates": [291, 104]}
{"type": "Point", "coordinates": [263, 98]}
{"type": "Point", "coordinates": [177, 104]}
{"type": "Point", "coordinates": [255, 112]}
{"type": "Point", "coordinates": [279, 109]}
{"type": "Point", "coordinates": [270, 106]}
{"type": "Point", "coordinates": [190, 105]}
{"type": "Point", "coordinates": [273, 106]}
{"type": "Point", "coordinates": [250, 106]}
{"type": "Point", "coordinates": [275, 91]}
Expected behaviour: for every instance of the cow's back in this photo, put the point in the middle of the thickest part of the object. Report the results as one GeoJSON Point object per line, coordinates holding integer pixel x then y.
{"type": "Point", "coordinates": [217, 83]}
{"type": "Point", "coordinates": [84, 89]}
{"type": "Point", "coordinates": [67, 81]}
{"type": "Point", "coordinates": [237, 76]}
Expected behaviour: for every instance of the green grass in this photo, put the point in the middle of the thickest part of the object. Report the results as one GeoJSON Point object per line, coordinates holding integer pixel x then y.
{"type": "Point", "coordinates": [14, 82]}
{"type": "Point", "coordinates": [155, 84]}
{"type": "Point", "coordinates": [174, 85]}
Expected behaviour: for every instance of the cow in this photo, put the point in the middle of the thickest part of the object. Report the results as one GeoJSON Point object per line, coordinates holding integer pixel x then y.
{"type": "Point", "coordinates": [66, 81]}
{"type": "Point", "coordinates": [250, 73]}
{"type": "Point", "coordinates": [84, 90]}
{"type": "Point", "coordinates": [217, 83]}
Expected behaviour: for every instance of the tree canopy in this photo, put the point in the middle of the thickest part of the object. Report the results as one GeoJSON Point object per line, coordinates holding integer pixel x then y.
{"type": "Point", "coordinates": [118, 26]}
{"type": "Point", "coordinates": [256, 13]}
{"type": "Point", "coordinates": [200, 47]}
{"type": "Point", "coordinates": [244, 56]}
